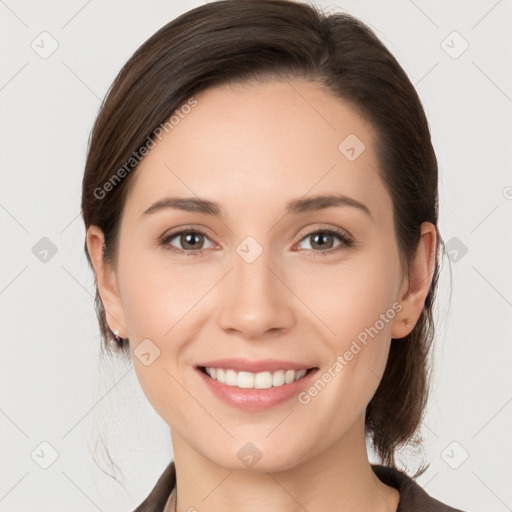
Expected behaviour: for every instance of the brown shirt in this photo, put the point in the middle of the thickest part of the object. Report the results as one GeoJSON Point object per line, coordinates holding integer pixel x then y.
{"type": "Point", "coordinates": [412, 497]}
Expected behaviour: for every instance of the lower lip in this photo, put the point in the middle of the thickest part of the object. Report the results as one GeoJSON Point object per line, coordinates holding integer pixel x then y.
{"type": "Point", "coordinates": [256, 399]}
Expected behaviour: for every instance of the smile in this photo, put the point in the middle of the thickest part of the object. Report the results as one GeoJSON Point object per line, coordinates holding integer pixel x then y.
{"type": "Point", "coordinates": [250, 380]}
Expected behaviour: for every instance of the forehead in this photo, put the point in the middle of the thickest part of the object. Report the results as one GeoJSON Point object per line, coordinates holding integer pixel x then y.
{"type": "Point", "coordinates": [262, 144]}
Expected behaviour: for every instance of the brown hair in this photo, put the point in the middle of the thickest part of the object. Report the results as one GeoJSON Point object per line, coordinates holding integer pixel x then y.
{"type": "Point", "coordinates": [249, 41]}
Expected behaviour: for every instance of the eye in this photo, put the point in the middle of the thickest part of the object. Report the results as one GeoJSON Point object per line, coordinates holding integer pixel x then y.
{"type": "Point", "coordinates": [190, 240]}
{"type": "Point", "coordinates": [323, 239]}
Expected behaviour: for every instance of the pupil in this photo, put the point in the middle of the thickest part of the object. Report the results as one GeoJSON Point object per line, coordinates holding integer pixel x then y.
{"type": "Point", "coordinates": [320, 235]}
{"type": "Point", "coordinates": [189, 237]}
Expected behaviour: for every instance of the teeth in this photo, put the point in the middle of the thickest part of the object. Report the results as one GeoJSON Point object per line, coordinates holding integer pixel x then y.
{"type": "Point", "coordinates": [248, 380]}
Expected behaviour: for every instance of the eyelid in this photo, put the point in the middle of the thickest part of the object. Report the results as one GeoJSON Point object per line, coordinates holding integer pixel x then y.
{"type": "Point", "coordinates": [203, 230]}
{"type": "Point", "coordinates": [308, 231]}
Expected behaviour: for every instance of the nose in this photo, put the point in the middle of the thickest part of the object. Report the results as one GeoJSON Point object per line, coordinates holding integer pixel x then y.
{"type": "Point", "coordinates": [255, 298]}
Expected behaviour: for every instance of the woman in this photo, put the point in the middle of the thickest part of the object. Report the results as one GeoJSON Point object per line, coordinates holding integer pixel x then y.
{"type": "Point", "coordinates": [260, 198]}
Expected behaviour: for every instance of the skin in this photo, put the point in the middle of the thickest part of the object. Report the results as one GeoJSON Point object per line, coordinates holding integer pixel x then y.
{"type": "Point", "coordinates": [253, 148]}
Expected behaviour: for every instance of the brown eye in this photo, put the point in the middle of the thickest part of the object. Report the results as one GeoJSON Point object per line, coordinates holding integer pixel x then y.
{"type": "Point", "coordinates": [323, 241]}
{"type": "Point", "coordinates": [189, 241]}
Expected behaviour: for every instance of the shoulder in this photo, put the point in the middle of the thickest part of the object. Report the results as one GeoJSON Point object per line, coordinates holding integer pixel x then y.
{"type": "Point", "coordinates": [157, 498]}
{"type": "Point", "coordinates": [412, 496]}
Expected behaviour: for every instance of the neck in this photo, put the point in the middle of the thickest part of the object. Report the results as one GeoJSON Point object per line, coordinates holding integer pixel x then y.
{"type": "Point", "coordinates": [339, 478]}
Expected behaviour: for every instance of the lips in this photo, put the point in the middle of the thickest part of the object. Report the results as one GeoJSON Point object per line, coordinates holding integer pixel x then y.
{"type": "Point", "coordinates": [245, 365]}
{"type": "Point", "coordinates": [256, 395]}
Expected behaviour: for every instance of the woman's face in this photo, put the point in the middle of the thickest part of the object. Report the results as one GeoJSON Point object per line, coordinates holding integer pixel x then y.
{"type": "Point", "coordinates": [268, 284]}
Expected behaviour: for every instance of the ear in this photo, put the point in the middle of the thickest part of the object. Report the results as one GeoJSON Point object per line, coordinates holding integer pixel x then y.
{"type": "Point", "coordinates": [106, 280]}
{"type": "Point", "coordinates": [415, 289]}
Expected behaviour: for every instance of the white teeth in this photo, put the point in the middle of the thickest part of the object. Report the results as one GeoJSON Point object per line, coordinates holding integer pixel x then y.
{"type": "Point", "coordinates": [249, 380]}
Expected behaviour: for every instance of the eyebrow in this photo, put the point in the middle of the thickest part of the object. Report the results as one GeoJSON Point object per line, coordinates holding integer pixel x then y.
{"type": "Point", "coordinates": [295, 206]}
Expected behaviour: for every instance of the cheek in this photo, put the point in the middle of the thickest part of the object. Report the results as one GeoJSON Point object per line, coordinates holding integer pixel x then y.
{"type": "Point", "coordinates": [156, 310]}
{"type": "Point", "coordinates": [155, 296]}
{"type": "Point", "coordinates": [351, 296]}
{"type": "Point", "coordinates": [359, 306]}
{"type": "Point", "coordinates": [160, 303]}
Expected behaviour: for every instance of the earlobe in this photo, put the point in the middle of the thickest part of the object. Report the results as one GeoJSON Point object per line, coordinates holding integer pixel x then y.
{"type": "Point", "coordinates": [413, 295]}
{"type": "Point", "coordinates": [106, 281]}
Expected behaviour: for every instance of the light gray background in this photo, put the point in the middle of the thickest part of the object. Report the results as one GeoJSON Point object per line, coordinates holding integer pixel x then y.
{"type": "Point", "coordinates": [52, 388]}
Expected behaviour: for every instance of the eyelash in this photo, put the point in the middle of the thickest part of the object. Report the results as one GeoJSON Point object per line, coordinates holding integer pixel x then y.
{"type": "Point", "coordinates": [346, 242]}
